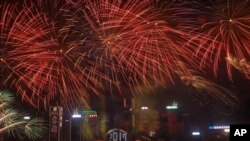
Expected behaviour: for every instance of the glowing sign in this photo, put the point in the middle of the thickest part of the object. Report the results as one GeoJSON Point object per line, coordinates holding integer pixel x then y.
{"type": "Point", "coordinates": [117, 135]}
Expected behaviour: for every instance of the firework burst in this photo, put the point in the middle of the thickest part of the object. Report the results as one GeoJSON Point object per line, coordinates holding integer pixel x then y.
{"type": "Point", "coordinates": [72, 49]}
{"type": "Point", "coordinates": [202, 85]}
{"type": "Point", "coordinates": [242, 65]}
{"type": "Point", "coordinates": [13, 122]}
{"type": "Point", "coordinates": [38, 69]}
{"type": "Point", "coordinates": [224, 33]}
{"type": "Point", "coordinates": [143, 46]}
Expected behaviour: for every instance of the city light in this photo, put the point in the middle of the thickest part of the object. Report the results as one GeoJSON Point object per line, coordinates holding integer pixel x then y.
{"type": "Point", "coordinates": [144, 108]}
{"type": "Point", "coordinates": [227, 130]}
{"type": "Point", "coordinates": [172, 107]}
{"type": "Point", "coordinates": [76, 116]}
{"type": "Point", "coordinates": [196, 133]}
{"type": "Point", "coordinates": [26, 118]}
{"type": "Point", "coordinates": [93, 116]}
{"type": "Point", "coordinates": [216, 127]}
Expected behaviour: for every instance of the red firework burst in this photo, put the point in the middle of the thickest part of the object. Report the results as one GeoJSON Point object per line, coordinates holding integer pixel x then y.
{"type": "Point", "coordinates": [224, 33]}
{"type": "Point", "coordinates": [39, 70]}
{"type": "Point", "coordinates": [97, 42]}
{"type": "Point", "coordinates": [144, 46]}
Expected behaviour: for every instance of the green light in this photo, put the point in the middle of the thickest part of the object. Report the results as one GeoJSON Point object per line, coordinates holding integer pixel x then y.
{"type": "Point", "coordinates": [89, 112]}
{"type": "Point", "coordinates": [172, 107]}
